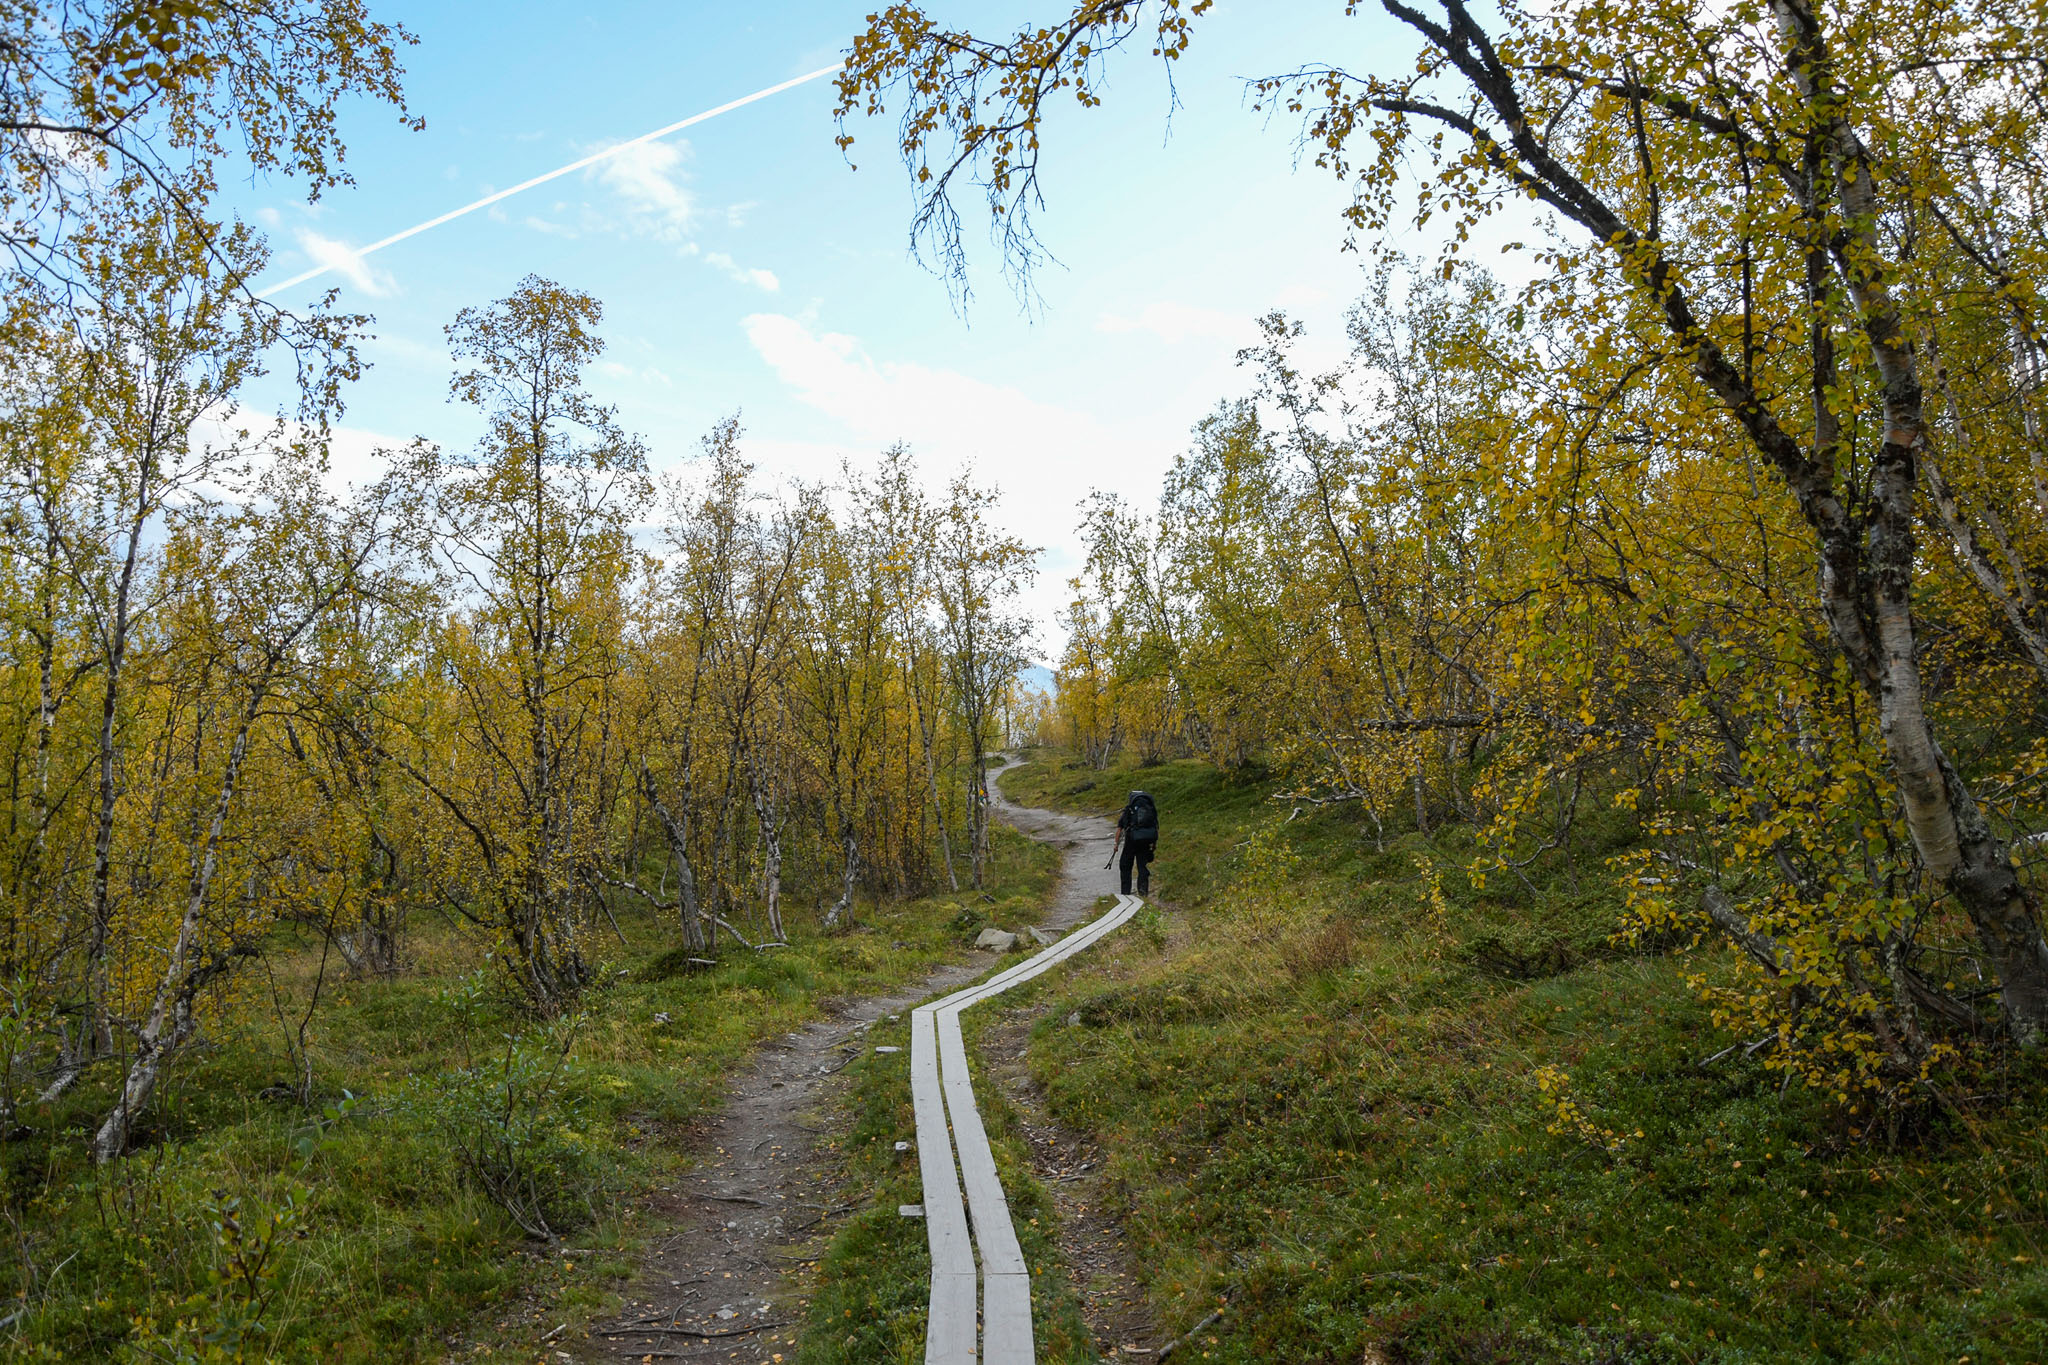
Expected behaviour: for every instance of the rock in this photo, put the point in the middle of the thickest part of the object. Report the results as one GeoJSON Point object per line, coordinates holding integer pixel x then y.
{"type": "Point", "coordinates": [1074, 1019]}
{"type": "Point", "coordinates": [888, 1049]}
{"type": "Point", "coordinates": [1043, 936]}
{"type": "Point", "coordinates": [1000, 940]}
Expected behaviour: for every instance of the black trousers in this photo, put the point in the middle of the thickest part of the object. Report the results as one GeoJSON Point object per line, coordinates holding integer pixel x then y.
{"type": "Point", "coordinates": [1138, 851]}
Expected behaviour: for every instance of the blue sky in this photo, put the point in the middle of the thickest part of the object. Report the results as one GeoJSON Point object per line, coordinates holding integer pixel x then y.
{"type": "Point", "coordinates": [743, 266]}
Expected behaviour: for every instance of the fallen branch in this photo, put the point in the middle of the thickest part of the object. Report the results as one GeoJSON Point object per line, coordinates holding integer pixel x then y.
{"type": "Point", "coordinates": [727, 926]}
{"type": "Point", "coordinates": [1204, 1325]}
{"type": "Point", "coordinates": [697, 1332]}
{"type": "Point", "coordinates": [1766, 951]}
{"type": "Point", "coordinates": [828, 1213]}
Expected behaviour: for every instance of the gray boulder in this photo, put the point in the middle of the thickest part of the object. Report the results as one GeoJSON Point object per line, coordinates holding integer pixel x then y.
{"type": "Point", "coordinates": [1001, 940]}
{"type": "Point", "coordinates": [1043, 936]}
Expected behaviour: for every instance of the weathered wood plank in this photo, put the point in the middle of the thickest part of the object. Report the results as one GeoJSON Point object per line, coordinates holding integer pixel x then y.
{"type": "Point", "coordinates": [950, 1321]}
{"type": "Point", "coordinates": [995, 1236]}
{"type": "Point", "coordinates": [940, 1072]}
{"type": "Point", "coordinates": [950, 1330]}
{"type": "Point", "coordinates": [1006, 1335]}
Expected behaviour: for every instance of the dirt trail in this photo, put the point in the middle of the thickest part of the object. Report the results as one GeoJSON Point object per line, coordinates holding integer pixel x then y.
{"type": "Point", "coordinates": [761, 1202]}
{"type": "Point", "coordinates": [1090, 1237]}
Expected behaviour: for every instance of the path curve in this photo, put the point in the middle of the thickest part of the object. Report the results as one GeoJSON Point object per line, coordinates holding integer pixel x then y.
{"type": "Point", "coordinates": [942, 1088]}
{"type": "Point", "coordinates": [758, 1202]}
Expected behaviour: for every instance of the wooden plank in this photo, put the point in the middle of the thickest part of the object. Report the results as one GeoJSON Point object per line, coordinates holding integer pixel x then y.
{"type": "Point", "coordinates": [1045, 959]}
{"type": "Point", "coordinates": [950, 1319]}
{"type": "Point", "coordinates": [995, 1236]}
{"type": "Point", "coordinates": [1006, 1336]}
{"type": "Point", "coordinates": [942, 1086]}
{"type": "Point", "coordinates": [1066, 947]}
{"type": "Point", "coordinates": [949, 1331]}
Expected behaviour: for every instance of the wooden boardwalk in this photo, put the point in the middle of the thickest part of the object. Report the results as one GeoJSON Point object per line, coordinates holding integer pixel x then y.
{"type": "Point", "coordinates": [941, 1088]}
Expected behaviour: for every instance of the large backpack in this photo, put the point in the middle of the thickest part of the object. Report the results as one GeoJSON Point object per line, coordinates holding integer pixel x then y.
{"type": "Point", "coordinates": [1143, 821]}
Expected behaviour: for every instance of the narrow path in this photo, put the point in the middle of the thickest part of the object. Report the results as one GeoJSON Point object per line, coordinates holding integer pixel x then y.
{"type": "Point", "coordinates": [942, 1091]}
{"type": "Point", "coordinates": [1088, 1232]}
{"type": "Point", "coordinates": [1087, 1203]}
{"type": "Point", "coordinates": [939, 1075]}
{"type": "Point", "coordinates": [760, 1203]}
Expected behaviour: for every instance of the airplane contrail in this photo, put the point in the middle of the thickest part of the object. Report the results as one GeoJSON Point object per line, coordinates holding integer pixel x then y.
{"type": "Point", "coordinates": [555, 174]}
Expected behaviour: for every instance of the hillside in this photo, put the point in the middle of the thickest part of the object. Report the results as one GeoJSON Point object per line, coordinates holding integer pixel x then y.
{"type": "Point", "coordinates": [1388, 1124]}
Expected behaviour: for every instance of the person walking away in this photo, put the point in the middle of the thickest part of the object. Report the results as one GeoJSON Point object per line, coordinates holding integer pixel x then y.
{"type": "Point", "coordinates": [1138, 826]}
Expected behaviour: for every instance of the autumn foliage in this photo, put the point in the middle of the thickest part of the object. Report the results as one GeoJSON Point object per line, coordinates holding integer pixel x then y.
{"type": "Point", "coordinates": [1729, 517]}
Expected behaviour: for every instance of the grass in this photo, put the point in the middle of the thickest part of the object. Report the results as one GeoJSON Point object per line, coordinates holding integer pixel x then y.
{"type": "Point", "coordinates": [1321, 1089]}
{"type": "Point", "coordinates": [245, 1227]}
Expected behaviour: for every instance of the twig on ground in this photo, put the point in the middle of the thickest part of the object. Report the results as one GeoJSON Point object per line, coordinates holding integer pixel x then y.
{"type": "Point", "coordinates": [1204, 1325]}
{"type": "Point", "coordinates": [690, 1331]}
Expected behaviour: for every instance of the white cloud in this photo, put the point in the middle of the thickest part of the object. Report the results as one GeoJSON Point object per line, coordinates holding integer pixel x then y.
{"type": "Point", "coordinates": [1177, 322]}
{"type": "Point", "coordinates": [341, 258]}
{"type": "Point", "coordinates": [882, 401]}
{"type": "Point", "coordinates": [649, 178]}
{"type": "Point", "coordinates": [760, 279]}
{"type": "Point", "coordinates": [355, 458]}
{"type": "Point", "coordinates": [652, 375]}
{"type": "Point", "coordinates": [1043, 458]}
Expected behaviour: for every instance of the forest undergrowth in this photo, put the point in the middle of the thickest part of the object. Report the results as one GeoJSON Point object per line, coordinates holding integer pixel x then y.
{"type": "Point", "coordinates": [1386, 1116]}
{"type": "Point", "coordinates": [389, 1224]}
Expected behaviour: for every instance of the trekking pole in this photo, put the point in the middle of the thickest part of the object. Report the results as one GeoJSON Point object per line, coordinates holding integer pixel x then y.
{"type": "Point", "coordinates": [1112, 851]}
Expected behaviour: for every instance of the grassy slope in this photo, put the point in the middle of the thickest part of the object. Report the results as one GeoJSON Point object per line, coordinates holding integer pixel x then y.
{"type": "Point", "coordinates": [399, 1250]}
{"type": "Point", "coordinates": [1318, 1094]}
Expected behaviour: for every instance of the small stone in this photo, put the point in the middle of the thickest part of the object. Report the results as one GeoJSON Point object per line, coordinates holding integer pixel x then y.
{"type": "Point", "coordinates": [997, 940]}
{"type": "Point", "coordinates": [1042, 936]}
{"type": "Point", "coordinates": [888, 1049]}
{"type": "Point", "coordinates": [902, 1146]}
{"type": "Point", "coordinates": [1074, 1019]}
{"type": "Point", "coordinates": [910, 1210]}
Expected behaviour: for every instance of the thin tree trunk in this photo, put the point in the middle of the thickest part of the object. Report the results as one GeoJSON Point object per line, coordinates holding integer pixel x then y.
{"type": "Point", "coordinates": [171, 1021]}
{"type": "Point", "coordinates": [771, 846]}
{"type": "Point", "coordinates": [678, 832]}
{"type": "Point", "coordinates": [843, 907]}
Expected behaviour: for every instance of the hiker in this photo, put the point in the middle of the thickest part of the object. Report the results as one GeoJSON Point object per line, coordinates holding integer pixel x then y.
{"type": "Point", "coordinates": [1138, 828]}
